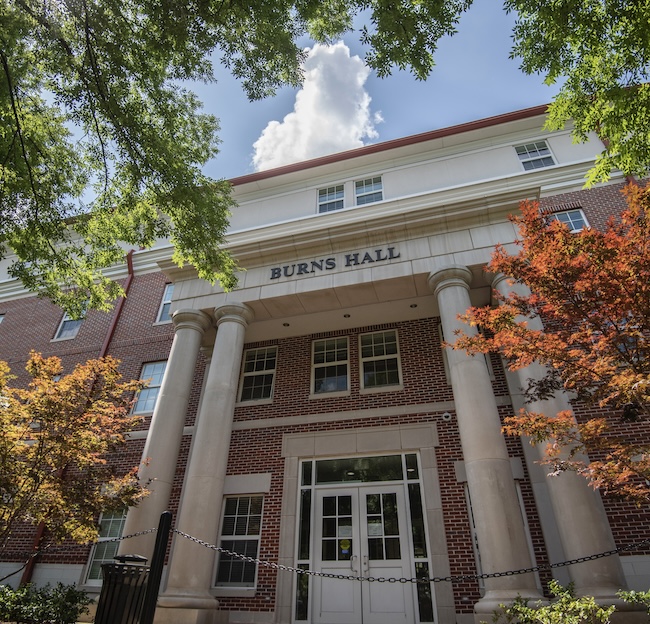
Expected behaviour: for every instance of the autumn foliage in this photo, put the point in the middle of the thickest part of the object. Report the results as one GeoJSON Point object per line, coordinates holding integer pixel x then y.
{"type": "Point", "coordinates": [55, 435]}
{"type": "Point", "coordinates": [592, 291]}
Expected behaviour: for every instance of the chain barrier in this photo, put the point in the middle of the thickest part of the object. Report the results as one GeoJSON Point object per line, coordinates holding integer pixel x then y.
{"type": "Point", "coordinates": [350, 577]}
{"type": "Point", "coordinates": [434, 579]}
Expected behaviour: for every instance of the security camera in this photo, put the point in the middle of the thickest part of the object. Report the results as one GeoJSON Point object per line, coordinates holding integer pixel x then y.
{"type": "Point", "coordinates": [446, 416]}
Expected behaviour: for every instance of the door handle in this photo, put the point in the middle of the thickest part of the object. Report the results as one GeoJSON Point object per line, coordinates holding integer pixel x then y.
{"type": "Point", "coordinates": [352, 560]}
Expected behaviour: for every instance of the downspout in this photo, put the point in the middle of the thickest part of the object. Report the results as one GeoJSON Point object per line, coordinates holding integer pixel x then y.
{"type": "Point", "coordinates": [40, 531]}
{"type": "Point", "coordinates": [118, 306]}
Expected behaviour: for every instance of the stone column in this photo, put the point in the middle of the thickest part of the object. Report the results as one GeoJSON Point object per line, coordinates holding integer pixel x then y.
{"type": "Point", "coordinates": [499, 525]}
{"type": "Point", "coordinates": [191, 566]}
{"type": "Point", "coordinates": [158, 464]}
{"type": "Point", "coordinates": [582, 523]}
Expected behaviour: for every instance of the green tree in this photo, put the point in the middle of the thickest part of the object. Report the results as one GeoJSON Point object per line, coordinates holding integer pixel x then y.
{"type": "Point", "coordinates": [601, 49]}
{"type": "Point", "coordinates": [55, 436]}
{"type": "Point", "coordinates": [96, 129]}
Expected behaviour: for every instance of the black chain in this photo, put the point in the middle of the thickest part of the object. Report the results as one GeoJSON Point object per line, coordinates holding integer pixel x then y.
{"type": "Point", "coordinates": [350, 577]}
{"type": "Point", "coordinates": [434, 579]}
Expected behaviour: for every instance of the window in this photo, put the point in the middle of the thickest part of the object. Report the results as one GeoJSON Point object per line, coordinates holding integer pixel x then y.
{"type": "Point", "coordinates": [330, 365]}
{"type": "Point", "coordinates": [574, 219]}
{"type": "Point", "coordinates": [258, 374]}
{"type": "Point", "coordinates": [165, 304]}
{"type": "Point", "coordinates": [379, 360]}
{"type": "Point", "coordinates": [111, 526]}
{"type": "Point", "coordinates": [535, 155]}
{"type": "Point", "coordinates": [146, 400]}
{"type": "Point", "coordinates": [2, 317]}
{"type": "Point", "coordinates": [68, 328]}
{"type": "Point", "coordinates": [240, 533]}
{"type": "Point", "coordinates": [367, 191]}
{"type": "Point", "coordinates": [330, 198]}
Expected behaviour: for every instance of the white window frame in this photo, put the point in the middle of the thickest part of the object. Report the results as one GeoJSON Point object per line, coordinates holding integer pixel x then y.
{"type": "Point", "coordinates": [105, 549]}
{"type": "Point", "coordinates": [147, 397]}
{"type": "Point", "coordinates": [366, 190]}
{"type": "Point", "coordinates": [331, 198]}
{"type": "Point", "coordinates": [165, 305]}
{"type": "Point", "coordinates": [570, 221]}
{"type": "Point", "coordinates": [240, 532]}
{"type": "Point", "coordinates": [377, 357]}
{"type": "Point", "coordinates": [259, 359]}
{"type": "Point", "coordinates": [328, 363]}
{"type": "Point", "coordinates": [535, 155]}
{"type": "Point", "coordinates": [68, 328]}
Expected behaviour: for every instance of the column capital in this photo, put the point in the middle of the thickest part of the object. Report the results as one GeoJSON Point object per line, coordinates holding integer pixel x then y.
{"type": "Point", "coordinates": [188, 318]}
{"type": "Point", "coordinates": [234, 313]}
{"type": "Point", "coordinates": [452, 275]}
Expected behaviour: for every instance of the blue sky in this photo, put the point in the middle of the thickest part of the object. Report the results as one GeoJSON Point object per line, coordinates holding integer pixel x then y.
{"type": "Point", "coordinates": [342, 105]}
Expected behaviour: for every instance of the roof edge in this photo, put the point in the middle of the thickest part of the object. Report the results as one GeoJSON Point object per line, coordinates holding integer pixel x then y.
{"type": "Point", "coordinates": [392, 144]}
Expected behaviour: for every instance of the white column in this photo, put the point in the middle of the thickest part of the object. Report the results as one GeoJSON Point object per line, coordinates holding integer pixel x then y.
{"type": "Point", "coordinates": [158, 464]}
{"type": "Point", "coordinates": [582, 523]}
{"type": "Point", "coordinates": [191, 566]}
{"type": "Point", "coordinates": [499, 525]}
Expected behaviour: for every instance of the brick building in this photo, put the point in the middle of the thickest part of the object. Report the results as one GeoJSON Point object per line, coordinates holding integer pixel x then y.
{"type": "Point", "coordinates": [311, 417]}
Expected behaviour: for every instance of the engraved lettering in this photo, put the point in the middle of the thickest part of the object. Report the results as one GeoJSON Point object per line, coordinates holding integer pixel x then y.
{"type": "Point", "coordinates": [303, 268]}
{"type": "Point", "coordinates": [378, 256]}
{"type": "Point", "coordinates": [351, 259]}
{"type": "Point", "coordinates": [276, 272]}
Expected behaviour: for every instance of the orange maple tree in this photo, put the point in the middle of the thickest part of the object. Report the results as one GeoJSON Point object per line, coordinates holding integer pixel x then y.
{"type": "Point", "coordinates": [592, 291]}
{"type": "Point", "coordinates": [55, 437]}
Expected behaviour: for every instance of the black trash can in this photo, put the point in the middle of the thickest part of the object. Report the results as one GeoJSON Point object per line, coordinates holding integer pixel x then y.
{"type": "Point", "coordinates": [123, 589]}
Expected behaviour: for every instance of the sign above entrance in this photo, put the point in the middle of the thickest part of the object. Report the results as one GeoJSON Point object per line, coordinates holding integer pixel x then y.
{"type": "Point", "coordinates": [354, 259]}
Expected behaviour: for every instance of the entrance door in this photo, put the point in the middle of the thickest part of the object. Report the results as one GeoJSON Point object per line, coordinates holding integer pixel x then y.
{"type": "Point", "coordinates": [362, 531]}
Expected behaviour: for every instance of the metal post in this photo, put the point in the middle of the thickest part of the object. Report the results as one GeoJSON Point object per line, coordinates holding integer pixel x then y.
{"type": "Point", "coordinates": [155, 571]}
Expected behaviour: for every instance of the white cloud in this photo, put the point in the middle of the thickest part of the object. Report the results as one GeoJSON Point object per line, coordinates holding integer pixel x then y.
{"type": "Point", "coordinates": [331, 112]}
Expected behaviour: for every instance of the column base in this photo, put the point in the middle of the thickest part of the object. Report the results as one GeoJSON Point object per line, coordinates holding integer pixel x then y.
{"type": "Point", "coordinates": [486, 607]}
{"type": "Point", "coordinates": [186, 608]}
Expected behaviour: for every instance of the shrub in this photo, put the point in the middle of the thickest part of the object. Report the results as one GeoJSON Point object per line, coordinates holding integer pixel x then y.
{"type": "Point", "coordinates": [62, 604]}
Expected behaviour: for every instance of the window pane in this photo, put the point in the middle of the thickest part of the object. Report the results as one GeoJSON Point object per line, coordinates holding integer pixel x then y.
{"type": "Point", "coordinates": [258, 374]}
{"type": "Point", "coordinates": [378, 368]}
{"type": "Point", "coordinates": [165, 305]}
{"type": "Point", "coordinates": [330, 198]}
{"type": "Point", "coordinates": [154, 372]}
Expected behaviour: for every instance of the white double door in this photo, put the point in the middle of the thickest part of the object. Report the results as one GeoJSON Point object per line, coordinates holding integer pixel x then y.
{"type": "Point", "coordinates": [362, 531]}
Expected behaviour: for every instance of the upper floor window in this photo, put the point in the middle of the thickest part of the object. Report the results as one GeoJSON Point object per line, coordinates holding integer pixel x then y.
{"type": "Point", "coordinates": [330, 365]}
{"type": "Point", "coordinates": [68, 328]}
{"type": "Point", "coordinates": [165, 304]}
{"type": "Point", "coordinates": [380, 360]}
{"type": "Point", "coordinates": [330, 198]}
{"type": "Point", "coordinates": [240, 533]}
{"type": "Point", "coordinates": [258, 374]}
{"type": "Point", "coordinates": [2, 317]}
{"type": "Point", "coordinates": [146, 401]}
{"type": "Point", "coordinates": [111, 526]}
{"type": "Point", "coordinates": [574, 219]}
{"type": "Point", "coordinates": [535, 155]}
{"type": "Point", "coordinates": [367, 191]}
